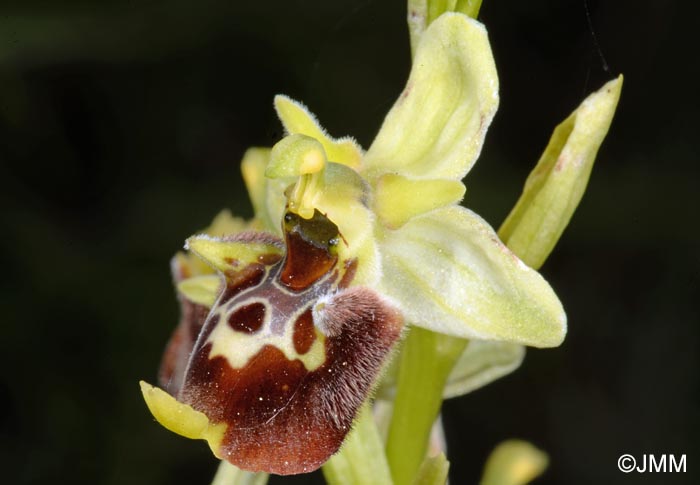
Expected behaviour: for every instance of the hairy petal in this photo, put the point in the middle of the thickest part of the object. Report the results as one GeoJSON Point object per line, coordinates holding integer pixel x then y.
{"type": "Point", "coordinates": [453, 275]}
{"type": "Point", "coordinates": [297, 119]}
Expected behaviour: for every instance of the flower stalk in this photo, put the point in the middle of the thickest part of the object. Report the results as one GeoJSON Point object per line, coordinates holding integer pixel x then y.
{"type": "Point", "coordinates": [425, 362]}
{"type": "Point", "coordinates": [362, 458]}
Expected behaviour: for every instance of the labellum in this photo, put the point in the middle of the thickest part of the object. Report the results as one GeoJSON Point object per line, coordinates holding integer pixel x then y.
{"type": "Point", "coordinates": [287, 353]}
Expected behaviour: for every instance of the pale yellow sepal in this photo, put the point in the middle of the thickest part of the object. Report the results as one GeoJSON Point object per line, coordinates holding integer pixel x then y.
{"type": "Point", "coordinates": [398, 199]}
{"type": "Point", "coordinates": [454, 276]}
{"type": "Point", "coordinates": [481, 363]}
{"type": "Point", "coordinates": [276, 203]}
{"type": "Point", "coordinates": [181, 418]}
{"type": "Point", "coordinates": [201, 290]}
{"type": "Point", "coordinates": [253, 167]}
{"type": "Point", "coordinates": [514, 462]}
{"type": "Point", "coordinates": [417, 17]}
{"type": "Point", "coordinates": [296, 118]}
{"type": "Point", "coordinates": [187, 265]}
{"type": "Point", "coordinates": [225, 224]}
{"type": "Point", "coordinates": [226, 255]}
{"type": "Point", "coordinates": [437, 126]}
{"type": "Point", "coordinates": [555, 187]}
{"type": "Point", "coordinates": [266, 195]}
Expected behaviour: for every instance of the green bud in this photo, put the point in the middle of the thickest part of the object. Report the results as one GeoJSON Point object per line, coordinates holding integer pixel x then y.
{"type": "Point", "coordinates": [514, 462]}
{"type": "Point", "coordinates": [433, 471]}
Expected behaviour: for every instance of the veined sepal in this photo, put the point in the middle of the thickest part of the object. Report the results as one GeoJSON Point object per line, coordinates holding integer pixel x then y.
{"type": "Point", "coordinates": [437, 126]}
{"type": "Point", "coordinates": [482, 362]}
{"type": "Point", "coordinates": [422, 12]}
{"type": "Point", "coordinates": [454, 276]}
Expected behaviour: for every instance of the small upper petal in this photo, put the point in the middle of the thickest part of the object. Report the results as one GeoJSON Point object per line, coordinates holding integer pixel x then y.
{"type": "Point", "coordinates": [297, 119]}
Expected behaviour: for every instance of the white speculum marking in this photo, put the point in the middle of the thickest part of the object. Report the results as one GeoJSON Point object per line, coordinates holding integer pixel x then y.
{"type": "Point", "coordinates": [282, 308]}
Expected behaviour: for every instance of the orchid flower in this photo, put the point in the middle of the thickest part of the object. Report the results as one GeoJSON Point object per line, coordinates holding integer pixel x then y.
{"type": "Point", "coordinates": [295, 316]}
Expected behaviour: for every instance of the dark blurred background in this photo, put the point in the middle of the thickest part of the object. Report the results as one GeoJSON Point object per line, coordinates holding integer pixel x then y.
{"type": "Point", "coordinates": [122, 125]}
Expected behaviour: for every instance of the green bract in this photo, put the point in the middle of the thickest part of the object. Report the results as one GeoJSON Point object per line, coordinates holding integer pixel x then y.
{"type": "Point", "coordinates": [555, 187]}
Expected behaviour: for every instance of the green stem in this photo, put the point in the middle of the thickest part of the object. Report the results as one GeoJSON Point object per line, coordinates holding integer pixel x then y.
{"type": "Point", "coordinates": [228, 474]}
{"type": "Point", "coordinates": [426, 361]}
{"type": "Point", "coordinates": [361, 460]}
{"type": "Point", "coordinates": [433, 471]}
{"type": "Point", "coordinates": [468, 7]}
{"type": "Point", "coordinates": [435, 9]}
